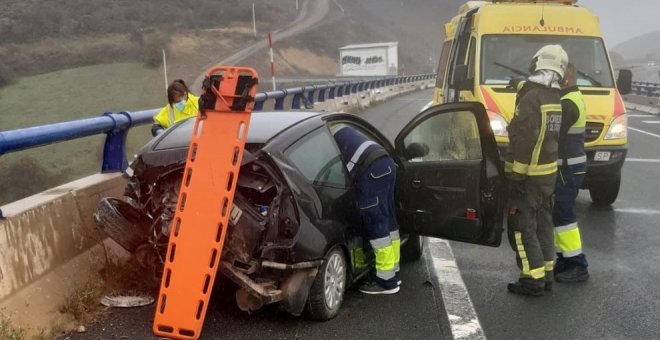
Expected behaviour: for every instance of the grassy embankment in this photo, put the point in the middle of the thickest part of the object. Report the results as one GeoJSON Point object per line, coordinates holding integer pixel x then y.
{"type": "Point", "coordinates": [65, 95]}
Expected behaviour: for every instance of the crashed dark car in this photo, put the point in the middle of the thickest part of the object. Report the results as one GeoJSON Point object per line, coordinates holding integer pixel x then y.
{"type": "Point", "coordinates": [294, 234]}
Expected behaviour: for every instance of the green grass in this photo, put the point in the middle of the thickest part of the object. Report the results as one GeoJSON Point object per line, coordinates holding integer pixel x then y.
{"type": "Point", "coordinates": [71, 94]}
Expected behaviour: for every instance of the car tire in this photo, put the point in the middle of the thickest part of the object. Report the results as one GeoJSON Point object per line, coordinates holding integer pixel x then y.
{"type": "Point", "coordinates": [605, 192]}
{"type": "Point", "coordinates": [123, 223]}
{"type": "Point", "coordinates": [413, 248]}
{"type": "Point", "coordinates": [327, 291]}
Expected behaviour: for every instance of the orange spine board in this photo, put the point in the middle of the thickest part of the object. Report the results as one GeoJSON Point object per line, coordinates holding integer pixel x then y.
{"type": "Point", "coordinates": [203, 209]}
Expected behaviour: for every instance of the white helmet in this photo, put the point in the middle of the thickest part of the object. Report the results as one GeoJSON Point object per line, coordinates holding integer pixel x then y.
{"type": "Point", "coordinates": [551, 57]}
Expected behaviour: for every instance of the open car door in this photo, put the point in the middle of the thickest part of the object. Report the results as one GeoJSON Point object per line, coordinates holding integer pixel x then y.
{"type": "Point", "coordinates": [450, 183]}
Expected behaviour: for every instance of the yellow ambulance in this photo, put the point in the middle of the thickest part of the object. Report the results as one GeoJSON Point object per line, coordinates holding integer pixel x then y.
{"type": "Point", "coordinates": [490, 42]}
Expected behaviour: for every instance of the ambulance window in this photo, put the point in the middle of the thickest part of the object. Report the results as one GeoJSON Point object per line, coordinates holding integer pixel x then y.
{"type": "Point", "coordinates": [471, 61]}
{"type": "Point", "coordinates": [462, 45]}
{"type": "Point", "coordinates": [442, 63]}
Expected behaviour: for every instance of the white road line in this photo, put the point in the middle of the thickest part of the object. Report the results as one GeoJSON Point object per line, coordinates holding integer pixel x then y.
{"type": "Point", "coordinates": [651, 121]}
{"type": "Point", "coordinates": [640, 116]}
{"type": "Point", "coordinates": [412, 99]}
{"type": "Point", "coordinates": [639, 211]}
{"type": "Point", "coordinates": [643, 160]}
{"type": "Point", "coordinates": [463, 319]}
{"type": "Point", "coordinates": [645, 132]}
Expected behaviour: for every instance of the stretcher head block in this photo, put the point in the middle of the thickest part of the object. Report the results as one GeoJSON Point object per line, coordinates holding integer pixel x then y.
{"type": "Point", "coordinates": [205, 201]}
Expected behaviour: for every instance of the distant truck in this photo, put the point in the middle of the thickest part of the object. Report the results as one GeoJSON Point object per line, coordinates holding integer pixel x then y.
{"type": "Point", "coordinates": [380, 59]}
{"type": "Point", "coordinates": [490, 42]}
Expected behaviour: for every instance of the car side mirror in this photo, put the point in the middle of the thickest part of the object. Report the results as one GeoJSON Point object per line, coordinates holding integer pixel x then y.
{"type": "Point", "coordinates": [416, 150]}
{"type": "Point", "coordinates": [624, 81]}
{"type": "Point", "coordinates": [461, 80]}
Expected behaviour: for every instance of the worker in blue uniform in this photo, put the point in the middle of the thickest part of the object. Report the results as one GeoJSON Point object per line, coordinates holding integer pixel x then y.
{"type": "Point", "coordinates": [571, 264]}
{"type": "Point", "coordinates": [373, 174]}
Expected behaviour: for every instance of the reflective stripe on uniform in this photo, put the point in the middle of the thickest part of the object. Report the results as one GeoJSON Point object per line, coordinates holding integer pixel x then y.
{"type": "Point", "coordinates": [534, 170]}
{"type": "Point", "coordinates": [521, 252]}
{"type": "Point", "coordinates": [549, 266]}
{"type": "Point", "coordinates": [573, 161]}
{"type": "Point", "coordinates": [542, 169]}
{"type": "Point", "coordinates": [396, 245]}
{"type": "Point", "coordinates": [381, 242]}
{"type": "Point", "coordinates": [520, 168]}
{"type": "Point", "coordinates": [575, 130]}
{"type": "Point", "coordinates": [567, 240]}
{"type": "Point", "coordinates": [356, 156]}
{"type": "Point", "coordinates": [536, 273]}
{"type": "Point", "coordinates": [385, 259]}
{"type": "Point", "coordinates": [508, 166]}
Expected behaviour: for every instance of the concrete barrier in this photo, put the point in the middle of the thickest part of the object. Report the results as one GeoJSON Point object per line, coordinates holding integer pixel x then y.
{"type": "Point", "coordinates": [49, 241]}
{"type": "Point", "coordinates": [643, 103]}
{"type": "Point", "coordinates": [48, 244]}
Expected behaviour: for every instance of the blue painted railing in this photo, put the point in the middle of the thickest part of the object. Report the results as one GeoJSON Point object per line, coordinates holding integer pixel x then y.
{"type": "Point", "coordinates": [646, 89]}
{"type": "Point", "coordinates": [117, 125]}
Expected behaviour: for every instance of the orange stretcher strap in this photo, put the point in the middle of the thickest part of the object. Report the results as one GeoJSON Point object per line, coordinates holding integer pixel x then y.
{"type": "Point", "coordinates": [205, 201]}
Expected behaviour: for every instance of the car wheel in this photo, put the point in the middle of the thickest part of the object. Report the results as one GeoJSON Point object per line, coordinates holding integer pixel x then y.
{"type": "Point", "coordinates": [327, 291]}
{"type": "Point", "coordinates": [606, 192]}
{"type": "Point", "coordinates": [123, 223]}
{"type": "Point", "coordinates": [413, 248]}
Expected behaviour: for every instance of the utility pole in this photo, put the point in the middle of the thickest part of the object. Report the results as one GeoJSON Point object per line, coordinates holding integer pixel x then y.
{"type": "Point", "coordinates": [272, 61]}
{"type": "Point", "coordinates": [254, 21]}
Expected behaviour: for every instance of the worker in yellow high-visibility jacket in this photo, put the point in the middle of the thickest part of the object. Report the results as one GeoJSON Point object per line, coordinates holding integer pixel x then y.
{"type": "Point", "coordinates": [181, 105]}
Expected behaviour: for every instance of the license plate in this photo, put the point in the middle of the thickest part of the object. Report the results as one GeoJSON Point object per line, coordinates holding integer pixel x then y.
{"type": "Point", "coordinates": [602, 156]}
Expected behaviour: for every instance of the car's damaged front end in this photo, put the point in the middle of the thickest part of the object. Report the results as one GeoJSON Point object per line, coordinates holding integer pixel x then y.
{"type": "Point", "coordinates": [259, 252]}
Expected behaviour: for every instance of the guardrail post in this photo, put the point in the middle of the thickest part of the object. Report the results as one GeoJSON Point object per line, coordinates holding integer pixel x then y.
{"type": "Point", "coordinates": [331, 92]}
{"type": "Point", "coordinates": [322, 95]}
{"type": "Point", "coordinates": [279, 103]}
{"type": "Point", "coordinates": [310, 98]}
{"type": "Point", "coordinates": [114, 149]}
{"type": "Point", "coordinates": [295, 102]}
{"type": "Point", "coordinates": [259, 106]}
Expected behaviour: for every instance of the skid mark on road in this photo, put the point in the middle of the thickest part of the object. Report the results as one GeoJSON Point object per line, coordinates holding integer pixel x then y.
{"type": "Point", "coordinates": [463, 319]}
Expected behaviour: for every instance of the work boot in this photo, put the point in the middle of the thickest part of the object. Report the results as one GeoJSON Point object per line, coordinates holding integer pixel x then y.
{"type": "Point", "coordinates": [372, 288]}
{"type": "Point", "coordinates": [548, 286]}
{"type": "Point", "coordinates": [573, 274]}
{"type": "Point", "coordinates": [521, 288]}
{"type": "Point", "coordinates": [560, 265]}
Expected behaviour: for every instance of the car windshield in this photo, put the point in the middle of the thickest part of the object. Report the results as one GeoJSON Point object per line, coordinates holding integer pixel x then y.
{"type": "Point", "coordinates": [508, 56]}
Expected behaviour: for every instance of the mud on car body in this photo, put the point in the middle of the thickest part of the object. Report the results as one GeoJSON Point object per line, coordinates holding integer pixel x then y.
{"type": "Point", "coordinates": [294, 233]}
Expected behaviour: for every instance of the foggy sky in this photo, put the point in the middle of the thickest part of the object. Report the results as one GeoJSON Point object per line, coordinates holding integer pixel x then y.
{"type": "Point", "coordinates": [624, 19]}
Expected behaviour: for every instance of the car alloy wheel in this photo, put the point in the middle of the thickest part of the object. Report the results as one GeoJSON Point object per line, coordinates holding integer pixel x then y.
{"type": "Point", "coordinates": [335, 280]}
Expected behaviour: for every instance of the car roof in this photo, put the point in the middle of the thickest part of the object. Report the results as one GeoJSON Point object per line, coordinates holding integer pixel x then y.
{"type": "Point", "coordinates": [264, 125]}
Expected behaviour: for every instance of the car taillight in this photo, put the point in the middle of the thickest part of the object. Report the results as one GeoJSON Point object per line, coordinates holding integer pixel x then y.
{"type": "Point", "coordinates": [498, 124]}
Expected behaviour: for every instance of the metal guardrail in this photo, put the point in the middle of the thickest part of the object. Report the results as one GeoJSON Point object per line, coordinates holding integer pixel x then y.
{"type": "Point", "coordinates": [117, 125]}
{"type": "Point", "coordinates": [646, 88]}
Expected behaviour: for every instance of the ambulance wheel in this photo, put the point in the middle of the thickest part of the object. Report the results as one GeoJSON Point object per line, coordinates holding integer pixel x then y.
{"type": "Point", "coordinates": [328, 288]}
{"type": "Point", "coordinates": [413, 248]}
{"type": "Point", "coordinates": [605, 192]}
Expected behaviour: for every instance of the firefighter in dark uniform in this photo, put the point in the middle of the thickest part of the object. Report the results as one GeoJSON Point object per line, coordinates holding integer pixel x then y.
{"type": "Point", "coordinates": [571, 264]}
{"type": "Point", "coordinates": [373, 174]}
{"type": "Point", "coordinates": [531, 167]}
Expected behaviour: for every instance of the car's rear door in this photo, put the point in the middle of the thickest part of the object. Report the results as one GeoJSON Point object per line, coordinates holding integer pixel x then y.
{"type": "Point", "coordinates": [450, 182]}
